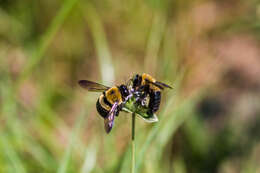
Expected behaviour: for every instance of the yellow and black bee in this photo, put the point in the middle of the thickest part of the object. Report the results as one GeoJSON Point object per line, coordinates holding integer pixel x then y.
{"type": "Point", "coordinates": [109, 104]}
{"type": "Point", "coordinates": [144, 85]}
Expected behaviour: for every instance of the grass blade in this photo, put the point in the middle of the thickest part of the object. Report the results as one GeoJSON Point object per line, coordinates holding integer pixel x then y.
{"type": "Point", "coordinates": [100, 41]}
{"type": "Point", "coordinates": [90, 158]}
{"type": "Point", "coordinates": [154, 42]}
{"type": "Point", "coordinates": [47, 37]}
{"type": "Point", "coordinates": [167, 124]}
{"type": "Point", "coordinates": [15, 161]}
{"type": "Point", "coordinates": [73, 138]}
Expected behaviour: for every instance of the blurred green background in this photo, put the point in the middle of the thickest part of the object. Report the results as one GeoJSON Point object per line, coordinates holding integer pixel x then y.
{"type": "Point", "coordinates": [209, 50]}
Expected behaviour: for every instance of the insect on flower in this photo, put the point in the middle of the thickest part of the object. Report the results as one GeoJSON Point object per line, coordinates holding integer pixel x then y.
{"type": "Point", "coordinates": [147, 91]}
{"type": "Point", "coordinates": [141, 95]}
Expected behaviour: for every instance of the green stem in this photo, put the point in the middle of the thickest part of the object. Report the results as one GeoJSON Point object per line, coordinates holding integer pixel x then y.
{"type": "Point", "coordinates": [133, 143]}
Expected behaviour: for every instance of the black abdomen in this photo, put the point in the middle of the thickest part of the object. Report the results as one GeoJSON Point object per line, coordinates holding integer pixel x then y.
{"type": "Point", "coordinates": [154, 103]}
{"type": "Point", "coordinates": [102, 111]}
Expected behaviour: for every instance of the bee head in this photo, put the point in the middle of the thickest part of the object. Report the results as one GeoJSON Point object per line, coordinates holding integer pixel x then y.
{"type": "Point", "coordinates": [123, 90]}
{"type": "Point", "coordinates": [137, 79]}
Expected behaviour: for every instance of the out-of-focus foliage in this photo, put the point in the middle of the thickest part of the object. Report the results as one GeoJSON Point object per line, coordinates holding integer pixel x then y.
{"type": "Point", "coordinates": [208, 50]}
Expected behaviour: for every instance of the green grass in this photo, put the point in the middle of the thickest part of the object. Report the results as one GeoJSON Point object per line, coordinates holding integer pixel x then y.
{"type": "Point", "coordinates": [73, 139]}
{"type": "Point", "coordinates": [49, 124]}
{"type": "Point", "coordinates": [47, 37]}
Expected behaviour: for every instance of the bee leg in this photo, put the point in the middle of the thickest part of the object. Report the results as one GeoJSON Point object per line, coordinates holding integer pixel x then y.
{"type": "Point", "coordinates": [144, 102]}
{"type": "Point", "coordinates": [120, 107]}
{"type": "Point", "coordinates": [137, 96]}
{"type": "Point", "coordinates": [117, 113]}
{"type": "Point", "coordinates": [140, 98]}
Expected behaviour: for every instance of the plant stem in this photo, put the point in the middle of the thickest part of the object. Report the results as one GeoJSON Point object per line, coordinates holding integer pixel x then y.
{"type": "Point", "coordinates": [133, 142]}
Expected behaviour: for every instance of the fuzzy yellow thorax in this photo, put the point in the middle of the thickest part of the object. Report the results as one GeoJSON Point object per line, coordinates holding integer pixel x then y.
{"type": "Point", "coordinates": [113, 95]}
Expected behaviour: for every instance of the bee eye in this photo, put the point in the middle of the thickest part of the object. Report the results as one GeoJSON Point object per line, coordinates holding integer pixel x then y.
{"type": "Point", "coordinates": [124, 91]}
{"type": "Point", "coordinates": [112, 92]}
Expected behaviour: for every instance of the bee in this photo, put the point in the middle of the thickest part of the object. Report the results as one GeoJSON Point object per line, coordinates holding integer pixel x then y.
{"type": "Point", "coordinates": [145, 85]}
{"type": "Point", "coordinates": [110, 102]}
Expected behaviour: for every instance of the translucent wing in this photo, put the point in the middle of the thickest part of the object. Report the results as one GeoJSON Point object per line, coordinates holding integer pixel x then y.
{"type": "Point", "coordinates": [109, 120]}
{"type": "Point", "coordinates": [92, 86]}
{"type": "Point", "coordinates": [159, 84]}
{"type": "Point", "coordinates": [163, 84]}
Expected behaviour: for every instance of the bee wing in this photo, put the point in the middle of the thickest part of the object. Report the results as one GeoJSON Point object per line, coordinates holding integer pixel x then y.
{"type": "Point", "coordinates": [92, 86]}
{"type": "Point", "coordinates": [109, 120]}
{"type": "Point", "coordinates": [163, 84]}
{"type": "Point", "coordinates": [159, 84]}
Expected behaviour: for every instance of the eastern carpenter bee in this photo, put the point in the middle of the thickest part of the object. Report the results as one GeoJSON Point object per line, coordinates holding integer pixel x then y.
{"type": "Point", "coordinates": [145, 85]}
{"type": "Point", "coordinates": [110, 102]}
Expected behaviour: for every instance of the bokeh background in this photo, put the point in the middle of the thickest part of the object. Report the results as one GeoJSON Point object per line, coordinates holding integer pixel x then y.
{"type": "Point", "coordinates": [208, 50]}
